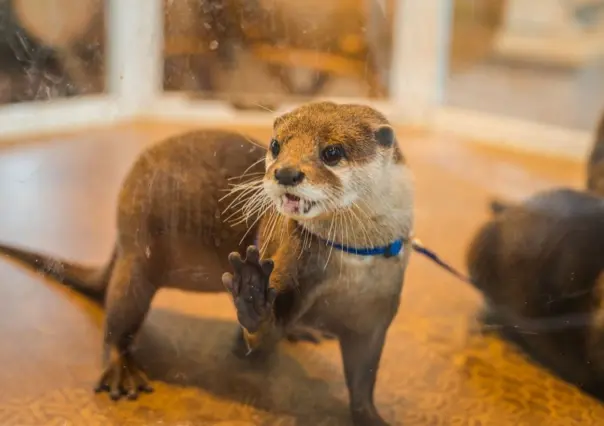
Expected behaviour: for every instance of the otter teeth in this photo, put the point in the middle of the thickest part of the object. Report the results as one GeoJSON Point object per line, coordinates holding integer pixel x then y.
{"type": "Point", "coordinates": [293, 204]}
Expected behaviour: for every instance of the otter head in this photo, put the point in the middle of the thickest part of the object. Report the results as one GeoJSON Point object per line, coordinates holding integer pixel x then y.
{"type": "Point", "coordinates": [324, 157]}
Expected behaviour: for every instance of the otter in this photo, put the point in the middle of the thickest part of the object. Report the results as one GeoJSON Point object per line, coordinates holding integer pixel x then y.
{"type": "Point", "coordinates": [595, 162]}
{"type": "Point", "coordinates": [175, 229]}
{"type": "Point", "coordinates": [540, 266]}
{"type": "Point", "coordinates": [334, 240]}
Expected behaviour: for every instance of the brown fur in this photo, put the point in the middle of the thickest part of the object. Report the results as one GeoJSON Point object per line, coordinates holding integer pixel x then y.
{"type": "Point", "coordinates": [327, 122]}
{"type": "Point", "coordinates": [312, 284]}
{"type": "Point", "coordinates": [540, 266]}
{"type": "Point", "coordinates": [595, 163]}
{"type": "Point", "coordinates": [172, 232]}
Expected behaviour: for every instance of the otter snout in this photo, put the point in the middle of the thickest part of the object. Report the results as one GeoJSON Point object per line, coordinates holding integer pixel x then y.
{"type": "Point", "coordinates": [289, 176]}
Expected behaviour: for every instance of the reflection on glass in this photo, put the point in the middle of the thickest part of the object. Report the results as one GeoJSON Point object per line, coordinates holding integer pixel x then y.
{"type": "Point", "coordinates": [534, 60]}
{"type": "Point", "coordinates": [50, 49]}
{"type": "Point", "coordinates": [273, 48]}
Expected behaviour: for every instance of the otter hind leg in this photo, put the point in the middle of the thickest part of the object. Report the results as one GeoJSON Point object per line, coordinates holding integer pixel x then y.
{"type": "Point", "coordinates": [128, 301]}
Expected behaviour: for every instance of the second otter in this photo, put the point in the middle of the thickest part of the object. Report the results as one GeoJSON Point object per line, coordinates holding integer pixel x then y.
{"type": "Point", "coordinates": [540, 266]}
{"type": "Point", "coordinates": [337, 198]}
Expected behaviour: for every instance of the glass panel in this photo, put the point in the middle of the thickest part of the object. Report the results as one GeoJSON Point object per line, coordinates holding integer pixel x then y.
{"type": "Point", "coordinates": [235, 48]}
{"type": "Point", "coordinates": [535, 60]}
{"type": "Point", "coordinates": [50, 49]}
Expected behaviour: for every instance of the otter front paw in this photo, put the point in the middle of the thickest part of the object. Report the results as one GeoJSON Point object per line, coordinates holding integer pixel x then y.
{"type": "Point", "coordinates": [249, 286]}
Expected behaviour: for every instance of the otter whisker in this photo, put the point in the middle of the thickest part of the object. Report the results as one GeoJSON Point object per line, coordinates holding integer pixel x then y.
{"type": "Point", "coordinates": [241, 198]}
{"type": "Point", "coordinates": [306, 237]}
{"type": "Point", "coordinates": [360, 223]}
{"type": "Point", "coordinates": [283, 228]}
{"type": "Point", "coordinates": [242, 188]}
{"type": "Point", "coordinates": [255, 209]}
{"type": "Point", "coordinates": [269, 205]}
{"type": "Point", "coordinates": [329, 238]}
{"type": "Point", "coordinates": [272, 222]}
{"type": "Point", "coordinates": [251, 210]}
{"type": "Point", "coordinates": [342, 240]}
{"type": "Point", "coordinates": [251, 206]}
{"type": "Point", "coordinates": [246, 175]}
{"type": "Point", "coordinates": [254, 181]}
{"type": "Point", "coordinates": [245, 206]}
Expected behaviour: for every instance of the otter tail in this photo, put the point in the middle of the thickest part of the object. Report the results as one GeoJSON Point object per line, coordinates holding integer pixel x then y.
{"type": "Point", "coordinates": [89, 281]}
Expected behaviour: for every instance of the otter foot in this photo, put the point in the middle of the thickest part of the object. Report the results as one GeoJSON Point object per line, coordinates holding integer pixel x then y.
{"type": "Point", "coordinates": [123, 377]}
{"type": "Point", "coordinates": [368, 417]}
{"type": "Point", "coordinates": [249, 286]}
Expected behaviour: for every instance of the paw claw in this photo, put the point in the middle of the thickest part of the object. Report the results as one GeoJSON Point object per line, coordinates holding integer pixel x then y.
{"type": "Point", "coordinates": [122, 377]}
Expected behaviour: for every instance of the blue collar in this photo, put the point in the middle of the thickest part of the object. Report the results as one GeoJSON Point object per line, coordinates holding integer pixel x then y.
{"type": "Point", "coordinates": [391, 250]}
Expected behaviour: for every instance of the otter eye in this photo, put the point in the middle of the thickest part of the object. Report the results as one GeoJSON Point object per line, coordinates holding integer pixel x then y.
{"type": "Point", "coordinates": [332, 155]}
{"type": "Point", "coordinates": [274, 148]}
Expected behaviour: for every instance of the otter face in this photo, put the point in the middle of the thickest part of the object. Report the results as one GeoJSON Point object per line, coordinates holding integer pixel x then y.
{"type": "Point", "coordinates": [325, 157]}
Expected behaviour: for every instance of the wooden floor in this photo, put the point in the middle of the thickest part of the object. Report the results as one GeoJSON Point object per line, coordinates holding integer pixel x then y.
{"type": "Point", "coordinates": [58, 195]}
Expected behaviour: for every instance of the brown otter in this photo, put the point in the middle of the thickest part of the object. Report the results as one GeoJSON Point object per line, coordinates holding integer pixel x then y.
{"type": "Point", "coordinates": [172, 232]}
{"type": "Point", "coordinates": [540, 266]}
{"type": "Point", "coordinates": [595, 162]}
{"type": "Point", "coordinates": [334, 241]}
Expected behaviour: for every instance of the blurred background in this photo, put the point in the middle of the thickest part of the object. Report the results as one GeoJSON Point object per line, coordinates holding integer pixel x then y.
{"type": "Point", "coordinates": [539, 62]}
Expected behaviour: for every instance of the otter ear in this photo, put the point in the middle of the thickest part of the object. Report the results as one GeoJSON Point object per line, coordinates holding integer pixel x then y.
{"type": "Point", "coordinates": [384, 135]}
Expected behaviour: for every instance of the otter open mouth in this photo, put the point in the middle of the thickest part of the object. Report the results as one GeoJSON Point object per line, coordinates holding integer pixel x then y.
{"type": "Point", "coordinates": [293, 204]}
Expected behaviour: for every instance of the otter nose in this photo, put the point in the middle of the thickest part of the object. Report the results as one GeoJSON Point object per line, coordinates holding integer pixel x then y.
{"type": "Point", "coordinates": [289, 176]}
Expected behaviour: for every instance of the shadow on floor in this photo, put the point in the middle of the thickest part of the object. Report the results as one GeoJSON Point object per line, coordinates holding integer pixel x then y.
{"type": "Point", "coordinates": [190, 351]}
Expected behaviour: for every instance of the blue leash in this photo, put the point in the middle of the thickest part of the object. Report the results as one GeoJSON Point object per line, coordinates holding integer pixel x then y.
{"type": "Point", "coordinates": [520, 324]}
{"type": "Point", "coordinates": [397, 247]}
{"type": "Point", "coordinates": [421, 249]}
{"type": "Point", "coordinates": [528, 325]}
